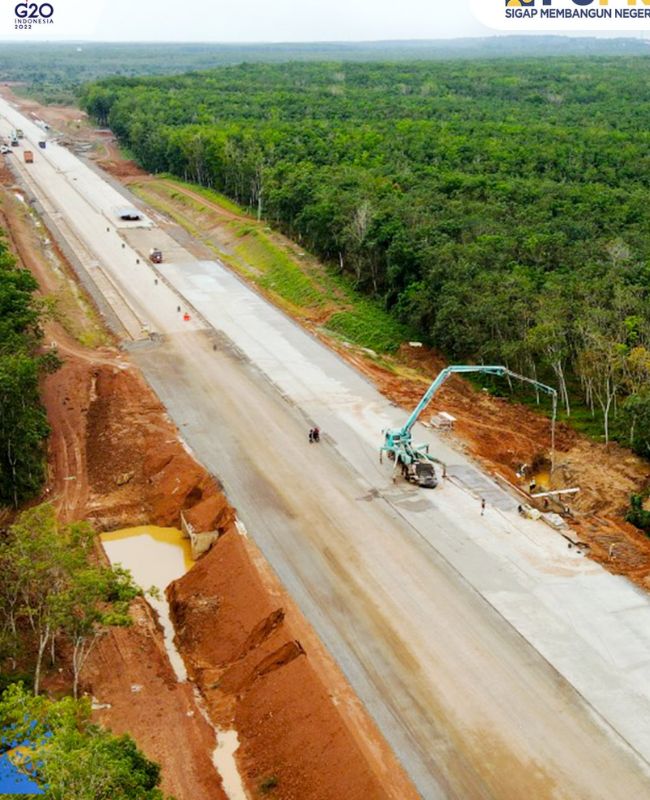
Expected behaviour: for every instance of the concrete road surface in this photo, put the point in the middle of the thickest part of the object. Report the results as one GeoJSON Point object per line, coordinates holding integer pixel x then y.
{"type": "Point", "coordinates": [497, 663]}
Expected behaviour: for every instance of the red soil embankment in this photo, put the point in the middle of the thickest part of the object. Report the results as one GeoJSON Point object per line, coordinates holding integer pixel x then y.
{"type": "Point", "coordinates": [116, 457]}
{"type": "Point", "coordinates": [263, 671]}
{"type": "Point", "coordinates": [129, 672]}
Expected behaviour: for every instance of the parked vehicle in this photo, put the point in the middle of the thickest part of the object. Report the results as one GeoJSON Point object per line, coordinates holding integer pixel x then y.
{"type": "Point", "coordinates": [29, 157]}
{"type": "Point", "coordinates": [42, 144]}
{"type": "Point", "coordinates": [156, 256]}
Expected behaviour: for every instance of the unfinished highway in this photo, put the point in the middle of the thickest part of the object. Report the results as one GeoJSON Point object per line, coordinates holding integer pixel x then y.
{"type": "Point", "coordinates": [497, 663]}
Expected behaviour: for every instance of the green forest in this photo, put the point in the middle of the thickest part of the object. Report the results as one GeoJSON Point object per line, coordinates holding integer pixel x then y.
{"type": "Point", "coordinates": [496, 207]}
{"type": "Point", "coordinates": [52, 72]}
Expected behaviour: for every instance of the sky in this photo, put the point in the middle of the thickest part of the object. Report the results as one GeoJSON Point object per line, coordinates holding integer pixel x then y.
{"type": "Point", "coordinates": [298, 20]}
{"type": "Point", "coordinates": [259, 20]}
{"type": "Point", "coordinates": [251, 20]}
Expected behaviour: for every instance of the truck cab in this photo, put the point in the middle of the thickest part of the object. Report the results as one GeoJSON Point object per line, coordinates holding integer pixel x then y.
{"type": "Point", "coordinates": [421, 473]}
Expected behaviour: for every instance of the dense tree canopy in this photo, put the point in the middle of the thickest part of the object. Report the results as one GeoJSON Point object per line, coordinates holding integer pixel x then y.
{"type": "Point", "coordinates": [54, 70]}
{"type": "Point", "coordinates": [23, 424]}
{"type": "Point", "coordinates": [497, 206]}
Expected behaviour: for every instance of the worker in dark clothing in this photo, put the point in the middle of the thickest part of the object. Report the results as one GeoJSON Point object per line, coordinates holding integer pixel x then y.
{"type": "Point", "coordinates": [482, 506]}
{"type": "Point", "coordinates": [317, 434]}
{"type": "Point", "coordinates": [311, 435]}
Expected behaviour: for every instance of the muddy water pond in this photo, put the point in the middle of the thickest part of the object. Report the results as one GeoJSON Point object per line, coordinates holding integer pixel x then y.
{"type": "Point", "coordinates": [155, 557]}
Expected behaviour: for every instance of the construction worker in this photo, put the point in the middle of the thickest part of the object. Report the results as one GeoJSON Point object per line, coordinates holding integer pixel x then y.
{"type": "Point", "coordinates": [311, 435]}
{"type": "Point", "coordinates": [317, 434]}
{"type": "Point", "coordinates": [482, 506]}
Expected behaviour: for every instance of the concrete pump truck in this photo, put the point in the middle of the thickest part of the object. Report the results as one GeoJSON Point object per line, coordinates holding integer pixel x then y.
{"type": "Point", "coordinates": [415, 460]}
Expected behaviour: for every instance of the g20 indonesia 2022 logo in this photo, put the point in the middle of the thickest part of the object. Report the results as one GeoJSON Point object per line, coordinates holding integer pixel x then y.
{"type": "Point", "coordinates": [30, 15]}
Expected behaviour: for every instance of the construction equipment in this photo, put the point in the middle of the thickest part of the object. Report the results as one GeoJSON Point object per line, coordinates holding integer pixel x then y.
{"type": "Point", "coordinates": [28, 156]}
{"type": "Point", "coordinates": [156, 256]}
{"type": "Point", "coordinates": [414, 459]}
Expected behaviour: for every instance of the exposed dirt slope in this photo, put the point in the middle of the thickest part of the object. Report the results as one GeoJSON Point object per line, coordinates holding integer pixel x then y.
{"type": "Point", "coordinates": [261, 668]}
{"type": "Point", "coordinates": [130, 673]}
{"type": "Point", "coordinates": [129, 466]}
{"type": "Point", "coordinates": [105, 425]}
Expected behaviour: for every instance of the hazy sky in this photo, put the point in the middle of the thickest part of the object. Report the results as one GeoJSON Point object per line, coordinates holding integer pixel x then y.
{"type": "Point", "coordinates": [252, 20]}
{"type": "Point", "coordinates": [300, 20]}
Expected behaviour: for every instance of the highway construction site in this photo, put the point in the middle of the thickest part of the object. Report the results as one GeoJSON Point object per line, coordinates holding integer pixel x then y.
{"type": "Point", "coordinates": [363, 636]}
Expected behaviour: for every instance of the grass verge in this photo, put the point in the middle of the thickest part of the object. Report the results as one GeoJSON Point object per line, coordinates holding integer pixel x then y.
{"type": "Point", "coordinates": [295, 281]}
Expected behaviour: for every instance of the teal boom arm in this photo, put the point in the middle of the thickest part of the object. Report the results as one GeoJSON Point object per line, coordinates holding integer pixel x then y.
{"type": "Point", "coordinates": [440, 379]}
{"type": "Point", "coordinates": [397, 441]}
{"type": "Point", "coordinates": [461, 368]}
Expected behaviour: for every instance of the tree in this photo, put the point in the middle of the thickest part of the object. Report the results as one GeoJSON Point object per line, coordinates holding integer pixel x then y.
{"type": "Point", "coordinates": [600, 366]}
{"type": "Point", "coordinates": [636, 412]}
{"type": "Point", "coordinates": [23, 423]}
{"type": "Point", "coordinates": [95, 599]}
{"type": "Point", "coordinates": [71, 758]}
{"type": "Point", "coordinates": [549, 337]}
{"type": "Point", "coordinates": [55, 587]}
{"type": "Point", "coordinates": [33, 561]}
